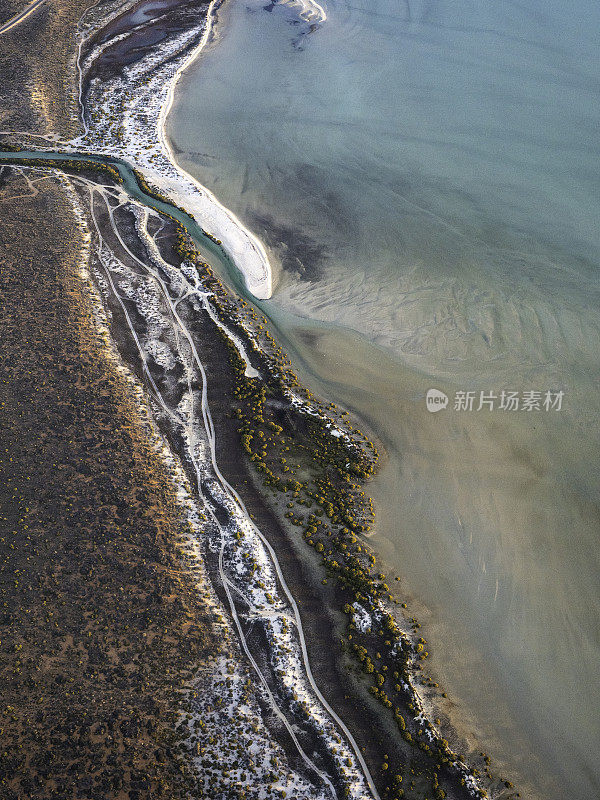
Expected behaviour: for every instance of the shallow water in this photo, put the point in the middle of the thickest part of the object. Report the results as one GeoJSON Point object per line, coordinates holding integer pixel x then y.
{"type": "Point", "coordinates": [426, 176]}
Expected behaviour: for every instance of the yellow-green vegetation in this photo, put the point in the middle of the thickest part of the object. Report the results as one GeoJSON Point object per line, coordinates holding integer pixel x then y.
{"type": "Point", "coordinates": [156, 194]}
{"type": "Point", "coordinates": [68, 165]}
{"type": "Point", "coordinates": [101, 623]}
{"type": "Point", "coordinates": [149, 190]}
{"type": "Point", "coordinates": [313, 463]}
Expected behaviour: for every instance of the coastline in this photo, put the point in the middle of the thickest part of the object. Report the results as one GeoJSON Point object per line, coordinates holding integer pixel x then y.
{"type": "Point", "coordinates": [357, 616]}
{"type": "Point", "coordinates": [148, 145]}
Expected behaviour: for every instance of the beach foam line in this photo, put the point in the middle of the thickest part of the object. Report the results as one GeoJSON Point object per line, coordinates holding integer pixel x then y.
{"type": "Point", "coordinates": [245, 248]}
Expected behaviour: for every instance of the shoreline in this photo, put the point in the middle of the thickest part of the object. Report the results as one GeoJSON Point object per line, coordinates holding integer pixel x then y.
{"type": "Point", "coordinates": [356, 617]}
{"type": "Point", "coordinates": [150, 146]}
{"type": "Point", "coordinates": [260, 287]}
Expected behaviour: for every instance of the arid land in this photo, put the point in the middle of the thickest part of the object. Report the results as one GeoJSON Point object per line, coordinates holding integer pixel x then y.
{"type": "Point", "coordinates": [105, 627]}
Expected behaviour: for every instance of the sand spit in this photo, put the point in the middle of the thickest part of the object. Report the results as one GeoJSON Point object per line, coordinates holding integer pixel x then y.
{"type": "Point", "coordinates": [125, 115]}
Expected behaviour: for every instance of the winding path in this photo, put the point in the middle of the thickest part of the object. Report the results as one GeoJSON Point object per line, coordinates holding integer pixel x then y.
{"type": "Point", "coordinates": [203, 480]}
{"type": "Point", "coordinates": [21, 16]}
{"type": "Point", "coordinates": [236, 501]}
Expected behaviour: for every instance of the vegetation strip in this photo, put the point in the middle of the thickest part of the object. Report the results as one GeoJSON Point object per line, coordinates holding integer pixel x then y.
{"type": "Point", "coordinates": [309, 456]}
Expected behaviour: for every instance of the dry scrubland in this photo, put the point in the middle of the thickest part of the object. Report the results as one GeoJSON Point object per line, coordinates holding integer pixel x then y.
{"type": "Point", "coordinates": [37, 61]}
{"type": "Point", "coordinates": [99, 622]}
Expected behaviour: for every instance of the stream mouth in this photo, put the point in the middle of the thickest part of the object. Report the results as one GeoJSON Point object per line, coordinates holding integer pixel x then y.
{"type": "Point", "coordinates": [212, 252]}
{"type": "Point", "coordinates": [208, 247]}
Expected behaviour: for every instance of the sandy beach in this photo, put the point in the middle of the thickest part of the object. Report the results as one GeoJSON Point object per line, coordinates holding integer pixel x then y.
{"type": "Point", "coordinates": [326, 673]}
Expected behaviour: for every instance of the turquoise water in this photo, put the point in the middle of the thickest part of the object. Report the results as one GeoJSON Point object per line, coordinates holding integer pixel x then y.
{"type": "Point", "coordinates": [426, 177]}
{"type": "Point", "coordinates": [207, 247]}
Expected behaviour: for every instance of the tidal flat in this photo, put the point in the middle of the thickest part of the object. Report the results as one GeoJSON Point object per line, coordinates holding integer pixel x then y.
{"type": "Point", "coordinates": [425, 179]}
{"type": "Point", "coordinates": [470, 508]}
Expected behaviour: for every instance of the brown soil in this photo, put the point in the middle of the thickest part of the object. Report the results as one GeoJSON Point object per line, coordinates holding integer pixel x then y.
{"type": "Point", "coordinates": [99, 619]}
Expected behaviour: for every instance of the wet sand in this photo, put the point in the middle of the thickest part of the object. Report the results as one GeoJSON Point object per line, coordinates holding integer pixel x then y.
{"type": "Point", "coordinates": [470, 586]}
{"type": "Point", "coordinates": [434, 200]}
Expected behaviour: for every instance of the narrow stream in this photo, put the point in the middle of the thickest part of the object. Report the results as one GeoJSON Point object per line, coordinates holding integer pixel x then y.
{"type": "Point", "coordinates": [165, 300]}
{"type": "Point", "coordinates": [209, 250]}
